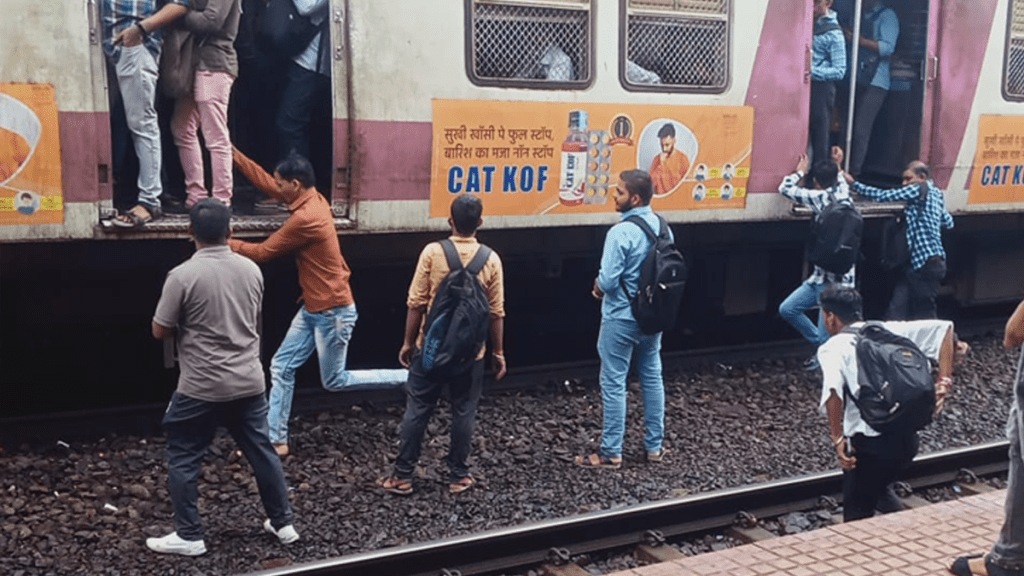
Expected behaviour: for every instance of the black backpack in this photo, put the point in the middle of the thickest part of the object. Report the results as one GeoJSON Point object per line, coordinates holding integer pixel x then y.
{"type": "Point", "coordinates": [282, 31]}
{"type": "Point", "coordinates": [897, 393]}
{"type": "Point", "coordinates": [459, 317]}
{"type": "Point", "coordinates": [834, 240]}
{"type": "Point", "coordinates": [662, 281]}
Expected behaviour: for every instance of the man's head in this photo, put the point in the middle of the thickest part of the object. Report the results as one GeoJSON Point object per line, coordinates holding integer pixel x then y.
{"type": "Point", "coordinates": [294, 175]}
{"type": "Point", "coordinates": [633, 189]}
{"type": "Point", "coordinates": [466, 212]}
{"type": "Point", "coordinates": [667, 136]}
{"type": "Point", "coordinates": [25, 199]}
{"type": "Point", "coordinates": [824, 173]}
{"type": "Point", "coordinates": [210, 222]}
{"type": "Point", "coordinates": [840, 307]}
{"type": "Point", "coordinates": [915, 172]}
{"type": "Point", "coordinates": [821, 7]}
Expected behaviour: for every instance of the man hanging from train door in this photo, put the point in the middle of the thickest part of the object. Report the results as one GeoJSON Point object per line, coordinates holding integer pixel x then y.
{"type": "Point", "coordinates": [828, 66]}
{"type": "Point", "coordinates": [1006, 558]}
{"type": "Point", "coordinates": [327, 317]}
{"type": "Point", "coordinates": [880, 30]}
{"type": "Point", "coordinates": [926, 217]}
{"type": "Point", "coordinates": [131, 40]}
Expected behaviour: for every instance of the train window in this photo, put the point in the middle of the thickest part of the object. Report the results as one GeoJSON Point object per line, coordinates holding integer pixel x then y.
{"type": "Point", "coordinates": [529, 43]}
{"type": "Point", "coordinates": [675, 45]}
{"type": "Point", "coordinates": [1013, 72]}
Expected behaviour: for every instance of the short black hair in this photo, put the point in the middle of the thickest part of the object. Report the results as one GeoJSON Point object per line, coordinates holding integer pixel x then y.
{"type": "Point", "coordinates": [920, 169]}
{"type": "Point", "coordinates": [211, 221]}
{"type": "Point", "coordinates": [639, 182]}
{"type": "Point", "coordinates": [825, 173]}
{"type": "Point", "coordinates": [296, 167]}
{"type": "Point", "coordinates": [844, 302]}
{"type": "Point", "coordinates": [466, 212]}
{"type": "Point", "coordinates": [25, 195]}
{"type": "Point", "coordinates": [667, 130]}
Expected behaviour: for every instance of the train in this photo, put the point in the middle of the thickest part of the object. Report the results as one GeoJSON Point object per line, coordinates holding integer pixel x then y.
{"type": "Point", "coordinates": [536, 106]}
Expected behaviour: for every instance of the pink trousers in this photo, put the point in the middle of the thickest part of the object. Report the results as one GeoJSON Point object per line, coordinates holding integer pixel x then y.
{"type": "Point", "coordinates": [206, 109]}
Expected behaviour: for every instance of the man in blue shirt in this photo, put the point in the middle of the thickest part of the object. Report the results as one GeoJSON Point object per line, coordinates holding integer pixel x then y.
{"type": "Point", "coordinates": [880, 29]}
{"type": "Point", "coordinates": [625, 248]}
{"type": "Point", "coordinates": [828, 66]}
{"type": "Point", "coordinates": [914, 295]}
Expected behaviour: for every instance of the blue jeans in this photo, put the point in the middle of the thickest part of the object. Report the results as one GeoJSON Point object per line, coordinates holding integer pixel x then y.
{"type": "Point", "coordinates": [190, 425]}
{"type": "Point", "coordinates": [793, 310]}
{"type": "Point", "coordinates": [617, 343]}
{"type": "Point", "coordinates": [328, 332]}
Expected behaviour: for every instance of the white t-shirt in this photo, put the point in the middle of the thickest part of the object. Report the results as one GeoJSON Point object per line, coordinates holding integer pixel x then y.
{"type": "Point", "coordinates": [838, 359]}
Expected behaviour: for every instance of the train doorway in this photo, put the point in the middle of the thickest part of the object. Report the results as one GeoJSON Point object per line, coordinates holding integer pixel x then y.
{"type": "Point", "coordinates": [883, 106]}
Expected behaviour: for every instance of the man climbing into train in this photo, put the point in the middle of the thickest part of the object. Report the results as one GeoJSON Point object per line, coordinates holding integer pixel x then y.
{"type": "Point", "coordinates": [1007, 555]}
{"type": "Point", "coordinates": [873, 455]}
{"type": "Point", "coordinates": [327, 317]}
{"type": "Point", "coordinates": [456, 303]}
{"type": "Point", "coordinates": [211, 305]}
{"type": "Point", "coordinates": [829, 187]}
{"type": "Point", "coordinates": [828, 66]}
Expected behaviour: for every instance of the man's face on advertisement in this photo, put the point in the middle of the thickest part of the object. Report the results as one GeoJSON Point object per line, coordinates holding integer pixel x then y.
{"type": "Point", "coordinates": [668, 143]}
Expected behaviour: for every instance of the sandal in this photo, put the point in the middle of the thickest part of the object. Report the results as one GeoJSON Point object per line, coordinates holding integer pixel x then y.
{"type": "Point", "coordinates": [462, 485]}
{"type": "Point", "coordinates": [598, 461]}
{"type": "Point", "coordinates": [137, 217]}
{"type": "Point", "coordinates": [395, 485]}
{"type": "Point", "coordinates": [658, 456]}
{"type": "Point", "coordinates": [961, 566]}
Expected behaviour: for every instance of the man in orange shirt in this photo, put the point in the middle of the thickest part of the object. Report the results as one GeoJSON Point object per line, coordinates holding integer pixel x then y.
{"type": "Point", "coordinates": [464, 389]}
{"type": "Point", "coordinates": [328, 314]}
{"type": "Point", "coordinates": [669, 167]}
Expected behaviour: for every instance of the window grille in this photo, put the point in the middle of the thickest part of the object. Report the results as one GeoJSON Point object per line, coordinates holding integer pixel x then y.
{"type": "Point", "coordinates": [530, 43]}
{"type": "Point", "coordinates": [1013, 74]}
{"type": "Point", "coordinates": [676, 45]}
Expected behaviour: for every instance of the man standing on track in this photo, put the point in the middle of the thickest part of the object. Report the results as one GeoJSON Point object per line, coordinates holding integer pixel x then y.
{"type": "Point", "coordinates": [620, 338]}
{"type": "Point", "coordinates": [870, 460]}
{"type": "Point", "coordinates": [328, 314]}
{"type": "Point", "coordinates": [1007, 555]}
{"type": "Point", "coordinates": [211, 304]}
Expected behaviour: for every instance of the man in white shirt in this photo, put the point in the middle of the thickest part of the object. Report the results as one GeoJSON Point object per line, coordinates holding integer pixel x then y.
{"type": "Point", "coordinates": [870, 460]}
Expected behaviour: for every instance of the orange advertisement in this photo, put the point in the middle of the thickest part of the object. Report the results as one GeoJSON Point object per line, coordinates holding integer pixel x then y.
{"type": "Point", "coordinates": [998, 170]}
{"type": "Point", "coordinates": [30, 170]}
{"type": "Point", "coordinates": [538, 158]}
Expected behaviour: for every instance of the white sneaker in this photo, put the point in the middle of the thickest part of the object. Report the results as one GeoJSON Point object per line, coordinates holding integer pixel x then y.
{"type": "Point", "coordinates": [286, 535]}
{"type": "Point", "coordinates": [174, 544]}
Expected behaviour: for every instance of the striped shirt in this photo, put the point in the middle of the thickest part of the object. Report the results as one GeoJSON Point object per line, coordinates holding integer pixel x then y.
{"type": "Point", "coordinates": [816, 200]}
{"type": "Point", "coordinates": [828, 52]}
{"type": "Point", "coordinates": [925, 217]}
{"type": "Point", "coordinates": [118, 15]}
{"type": "Point", "coordinates": [625, 248]}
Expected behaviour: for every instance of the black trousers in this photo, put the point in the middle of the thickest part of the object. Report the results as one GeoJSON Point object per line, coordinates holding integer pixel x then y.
{"type": "Point", "coordinates": [880, 461]}
{"type": "Point", "coordinates": [422, 394]}
{"type": "Point", "coordinates": [913, 298]}
{"type": "Point", "coordinates": [823, 100]}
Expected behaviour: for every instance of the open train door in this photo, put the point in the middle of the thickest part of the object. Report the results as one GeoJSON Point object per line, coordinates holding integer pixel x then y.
{"type": "Point", "coordinates": [884, 106]}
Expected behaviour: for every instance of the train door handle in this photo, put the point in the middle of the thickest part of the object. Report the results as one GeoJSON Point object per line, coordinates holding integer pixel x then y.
{"type": "Point", "coordinates": [934, 72]}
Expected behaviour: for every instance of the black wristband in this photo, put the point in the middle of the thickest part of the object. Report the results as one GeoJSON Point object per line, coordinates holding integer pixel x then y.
{"type": "Point", "coordinates": [142, 29]}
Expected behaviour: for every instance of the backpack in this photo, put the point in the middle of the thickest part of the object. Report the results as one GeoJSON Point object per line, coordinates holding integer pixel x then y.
{"type": "Point", "coordinates": [179, 57]}
{"type": "Point", "coordinates": [457, 323]}
{"type": "Point", "coordinates": [834, 241]}
{"type": "Point", "coordinates": [895, 249]}
{"type": "Point", "coordinates": [282, 31]}
{"type": "Point", "coordinates": [663, 273]}
{"type": "Point", "coordinates": [897, 393]}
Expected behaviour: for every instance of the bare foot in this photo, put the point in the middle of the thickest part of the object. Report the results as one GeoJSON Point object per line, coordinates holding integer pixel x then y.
{"type": "Point", "coordinates": [281, 449]}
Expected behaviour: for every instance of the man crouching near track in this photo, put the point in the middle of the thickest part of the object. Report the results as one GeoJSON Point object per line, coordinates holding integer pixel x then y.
{"type": "Point", "coordinates": [870, 460]}
{"type": "Point", "coordinates": [211, 303]}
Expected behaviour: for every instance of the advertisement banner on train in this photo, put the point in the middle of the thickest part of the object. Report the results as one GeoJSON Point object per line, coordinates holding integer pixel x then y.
{"type": "Point", "coordinates": [30, 170]}
{"type": "Point", "coordinates": [998, 171]}
{"type": "Point", "coordinates": [537, 158]}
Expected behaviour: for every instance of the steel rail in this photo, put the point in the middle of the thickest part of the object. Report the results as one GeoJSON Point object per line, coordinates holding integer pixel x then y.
{"type": "Point", "coordinates": [530, 544]}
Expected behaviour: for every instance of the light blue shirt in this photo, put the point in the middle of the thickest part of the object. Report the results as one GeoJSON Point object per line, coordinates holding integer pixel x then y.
{"type": "Point", "coordinates": [886, 30]}
{"type": "Point", "coordinates": [625, 247]}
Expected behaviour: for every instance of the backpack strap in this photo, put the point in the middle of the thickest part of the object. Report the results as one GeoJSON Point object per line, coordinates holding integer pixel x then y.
{"type": "Point", "coordinates": [643, 225]}
{"type": "Point", "coordinates": [483, 253]}
{"type": "Point", "coordinates": [451, 254]}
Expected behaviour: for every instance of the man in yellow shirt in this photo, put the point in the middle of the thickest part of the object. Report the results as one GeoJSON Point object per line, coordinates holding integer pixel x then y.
{"type": "Point", "coordinates": [669, 167]}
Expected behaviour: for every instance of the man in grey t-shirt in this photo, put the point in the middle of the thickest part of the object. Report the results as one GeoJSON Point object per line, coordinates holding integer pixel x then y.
{"type": "Point", "coordinates": [211, 304]}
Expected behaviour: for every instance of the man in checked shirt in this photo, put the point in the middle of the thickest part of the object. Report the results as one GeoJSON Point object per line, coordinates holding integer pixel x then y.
{"type": "Point", "coordinates": [829, 186]}
{"type": "Point", "coordinates": [914, 295]}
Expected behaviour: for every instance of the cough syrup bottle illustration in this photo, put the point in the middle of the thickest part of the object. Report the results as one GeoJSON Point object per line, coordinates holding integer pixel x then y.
{"type": "Point", "coordinates": [573, 176]}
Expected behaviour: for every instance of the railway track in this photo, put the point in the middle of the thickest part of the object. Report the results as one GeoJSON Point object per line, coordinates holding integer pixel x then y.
{"type": "Point", "coordinates": [532, 545]}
